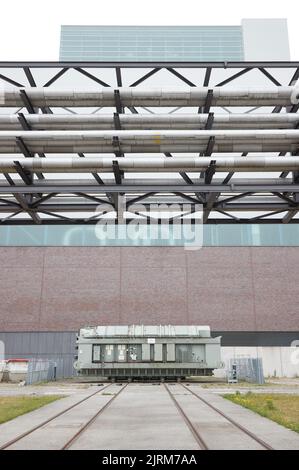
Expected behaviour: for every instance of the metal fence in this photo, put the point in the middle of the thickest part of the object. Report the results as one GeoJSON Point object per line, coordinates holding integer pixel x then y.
{"type": "Point", "coordinates": [41, 371]}
{"type": "Point", "coordinates": [58, 347]}
{"type": "Point", "coordinates": [249, 369]}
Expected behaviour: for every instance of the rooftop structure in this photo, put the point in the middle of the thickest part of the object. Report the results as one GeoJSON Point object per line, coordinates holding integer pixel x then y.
{"type": "Point", "coordinates": [208, 140]}
{"type": "Point", "coordinates": [177, 43]}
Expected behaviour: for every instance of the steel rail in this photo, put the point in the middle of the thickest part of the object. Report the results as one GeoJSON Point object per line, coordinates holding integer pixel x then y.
{"type": "Point", "coordinates": [232, 421]}
{"type": "Point", "coordinates": [91, 420]}
{"type": "Point", "coordinates": [202, 444]}
{"type": "Point", "coordinates": [43, 423]}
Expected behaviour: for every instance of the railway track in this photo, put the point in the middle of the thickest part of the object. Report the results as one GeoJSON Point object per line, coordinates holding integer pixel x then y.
{"type": "Point", "coordinates": [228, 418]}
{"type": "Point", "coordinates": [197, 434]}
{"type": "Point", "coordinates": [57, 415]}
{"type": "Point", "coordinates": [91, 420]}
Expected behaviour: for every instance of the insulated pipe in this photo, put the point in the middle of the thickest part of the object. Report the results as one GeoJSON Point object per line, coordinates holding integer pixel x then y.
{"type": "Point", "coordinates": [132, 96]}
{"type": "Point", "coordinates": [150, 141]}
{"type": "Point", "coordinates": [156, 164]}
{"type": "Point", "coordinates": [163, 179]}
{"type": "Point", "coordinates": [150, 121]}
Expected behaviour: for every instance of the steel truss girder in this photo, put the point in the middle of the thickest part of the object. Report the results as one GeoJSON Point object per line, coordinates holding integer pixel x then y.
{"type": "Point", "coordinates": [70, 188]}
{"type": "Point", "coordinates": [143, 64]}
{"type": "Point", "coordinates": [40, 198]}
{"type": "Point", "coordinates": [93, 221]}
{"type": "Point", "coordinates": [92, 207]}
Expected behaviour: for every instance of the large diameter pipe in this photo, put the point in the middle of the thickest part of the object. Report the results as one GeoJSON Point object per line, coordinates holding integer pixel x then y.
{"type": "Point", "coordinates": [150, 121]}
{"type": "Point", "coordinates": [132, 96]}
{"type": "Point", "coordinates": [156, 164]}
{"type": "Point", "coordinates": [150, 141]}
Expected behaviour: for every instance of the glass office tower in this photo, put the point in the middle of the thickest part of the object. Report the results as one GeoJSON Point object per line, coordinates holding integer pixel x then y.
{"type": "Point", "coordinates": [151, 43]}
{"type": "Point", "coordinates": [254, 39]}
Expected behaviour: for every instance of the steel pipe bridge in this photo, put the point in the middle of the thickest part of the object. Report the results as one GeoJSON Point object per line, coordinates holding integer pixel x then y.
{"type": "Point", "coordinates": [79, 141]}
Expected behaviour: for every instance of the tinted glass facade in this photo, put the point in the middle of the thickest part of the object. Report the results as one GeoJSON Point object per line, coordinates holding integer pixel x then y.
{"type": "Point", "coordinates": [213, 235]}
{"type": "Point", "coordinates": [151, 43]}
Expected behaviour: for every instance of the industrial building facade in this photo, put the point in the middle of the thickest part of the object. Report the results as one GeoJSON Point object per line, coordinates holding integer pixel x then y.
{"type": "Point", "coordinates": [254, 39]}
{"type": "Point", "coordinates": [57, 277]}
{"type": "Point", "coordinates": [245, 289]}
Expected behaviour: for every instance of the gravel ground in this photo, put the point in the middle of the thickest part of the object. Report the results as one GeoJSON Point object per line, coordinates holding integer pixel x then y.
{"type": "Point", "coordinates": [70, 386]}
{"type": "Point", "coordinates": [59, 388]}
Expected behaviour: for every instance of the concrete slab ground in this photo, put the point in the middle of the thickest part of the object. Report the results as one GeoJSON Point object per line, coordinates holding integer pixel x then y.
{"type": "Point", "coordinates": [58, 432]}
{"type": "Point", "coordinates": [284, 390]}
{"type": "Point", "coordinates": [286, 381]}
{"type": "Point", "coordinates": [214, 384]}
{"type": "Point", "coordinates": [49, 388]}
{"type": "Point", "coordinates": [215, 430]}
{"type": "Point", "coordinates": [274, 434]}
{"type": "Point", "coordinates": [286, 385]}
{"type": "Point", "coordinates": [24, 423]}
{"type": "Point", "coordinates": [144, 416]}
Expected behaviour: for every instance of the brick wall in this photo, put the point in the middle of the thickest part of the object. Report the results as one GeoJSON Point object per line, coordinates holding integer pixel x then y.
{"type": "Point", "coordinates": [228, 288]}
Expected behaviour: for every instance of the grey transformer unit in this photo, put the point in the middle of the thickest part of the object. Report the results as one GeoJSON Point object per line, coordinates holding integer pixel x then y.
{"type": "Point", "coordinates": [139, 351]}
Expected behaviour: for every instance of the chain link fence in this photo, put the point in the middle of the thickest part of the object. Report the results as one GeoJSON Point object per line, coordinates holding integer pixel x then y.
{"type": "Point", "coordinates": [41, 370]}
{"type": "Point", "coordinates": [249, 369]}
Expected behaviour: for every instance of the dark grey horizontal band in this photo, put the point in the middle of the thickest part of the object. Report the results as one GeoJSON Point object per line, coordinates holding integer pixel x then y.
{"type": "Point", "coordinates": [257, 338]}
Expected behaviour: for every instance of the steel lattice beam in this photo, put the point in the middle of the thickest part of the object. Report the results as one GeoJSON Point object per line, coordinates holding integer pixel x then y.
{"type": "Point", "coordinates": [49, 199]}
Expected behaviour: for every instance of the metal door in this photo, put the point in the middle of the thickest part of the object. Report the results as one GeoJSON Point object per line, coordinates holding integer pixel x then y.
{"type": "Point", "coordinates": [96, 353]}
{"type": "Point", "coordinates": [121, 353]}
{"type": "Point", "coordinates": [158, 352]}
{"type": "Point", "coordinates": [146, 355]}
{"type": "Point", "coordinates": [109, 353]}
{"type": "Point", "coordinates": [170, 352]}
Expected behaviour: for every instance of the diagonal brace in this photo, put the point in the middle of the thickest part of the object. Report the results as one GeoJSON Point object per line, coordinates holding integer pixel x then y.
{"type": "Point", "coordinates": [118, 173]}
{"type": "Point", "coordinates": [118, 103]}
{"type": "Point", "coordinates": [210, 171]}
{"type": "Point", "coordinates": [24, 174]}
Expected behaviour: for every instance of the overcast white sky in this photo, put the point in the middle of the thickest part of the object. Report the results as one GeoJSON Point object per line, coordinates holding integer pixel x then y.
{"type": "Point", "coordinates": [30, 30]}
